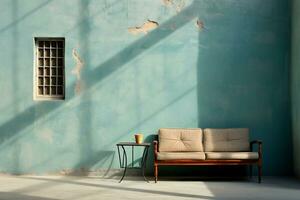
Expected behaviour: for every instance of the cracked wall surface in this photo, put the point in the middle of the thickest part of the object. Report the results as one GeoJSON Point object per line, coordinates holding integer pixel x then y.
{"type": "Point", "coordinates": [145, 28]}
{"type": "Point", "coordinates": [134, 66]}
{"type": "Point", "coordinates": [77, 71]}
{"type": "Point", "coordinates": [199, 24]}
{"type": "Point", "coordinates": [177, 5]}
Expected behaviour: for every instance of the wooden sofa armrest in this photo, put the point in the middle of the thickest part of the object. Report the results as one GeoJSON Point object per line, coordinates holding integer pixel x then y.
{"type": "Point", "coordinates": [259, 143]}
{"type": "Point", "coordinates": [155, 144]}
{"type": "Point", "coordinates": [256, 141]}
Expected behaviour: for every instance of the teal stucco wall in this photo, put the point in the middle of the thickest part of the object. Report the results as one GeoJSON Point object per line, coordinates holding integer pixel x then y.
{"type": "Point", "coordinates": [295, 84]}
{"type": "Point", "coordinates": [230, 70]}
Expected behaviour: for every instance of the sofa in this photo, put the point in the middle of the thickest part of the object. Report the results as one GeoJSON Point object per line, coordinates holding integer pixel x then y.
{"type": "Point", "coordinates": [196, 146]}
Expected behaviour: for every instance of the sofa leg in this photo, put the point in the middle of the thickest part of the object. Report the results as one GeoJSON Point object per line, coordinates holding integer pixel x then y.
{"type": "Point", "coordinates": [156, 173]}
{"type": "Point", "coordinates": [259, 173]}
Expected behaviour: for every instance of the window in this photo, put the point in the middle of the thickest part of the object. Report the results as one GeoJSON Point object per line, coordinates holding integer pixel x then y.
{"type": "Point", "coordinates": [49, 68]}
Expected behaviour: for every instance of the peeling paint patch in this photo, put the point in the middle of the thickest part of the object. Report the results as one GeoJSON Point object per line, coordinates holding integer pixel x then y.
{"type": "Point", "coordinates": [199, 24]}
{"type": "Point", "coordinates": [145, 28]}
{"type": "Point", "coordinates": [79, 86]}
{"type": "Point", "coordinates": [77, 71]}
{"type": "Point", "coordinates": [79, 64]}
{"type": "Point", "coordinates": [167, 2]}
{"type": "Point", "coordinates": [178, 5]}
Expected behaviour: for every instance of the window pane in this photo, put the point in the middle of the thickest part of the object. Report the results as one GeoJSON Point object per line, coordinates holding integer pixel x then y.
{"type": "Point", "coordinates": [49, 72]}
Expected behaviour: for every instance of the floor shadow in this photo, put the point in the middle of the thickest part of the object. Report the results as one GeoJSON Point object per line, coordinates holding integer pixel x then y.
{"type": "Point", "coordinates": [14, 196]}
{"type": "Point", "coordinates": [81, 169]}
{"type": "Point", "coordinates": [288, 182]}
{"type": "Point", "coordinates": [223, 189]}
{"type": "Point", "coordinates": [110, 187]}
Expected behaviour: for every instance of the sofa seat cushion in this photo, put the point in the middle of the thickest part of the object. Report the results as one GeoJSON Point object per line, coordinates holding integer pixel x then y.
{"type": "Point", "coordinates": [231, 155]}
{"type": "Point", "coordinates": [180, 156]}
{"type": "Point", "coordinates": [180, 140]}
{"type": "Point", "coordinates": [227, 140]}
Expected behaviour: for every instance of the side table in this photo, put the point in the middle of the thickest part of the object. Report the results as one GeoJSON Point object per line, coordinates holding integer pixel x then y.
{"type": "Point", "coordinates": [123, 162]}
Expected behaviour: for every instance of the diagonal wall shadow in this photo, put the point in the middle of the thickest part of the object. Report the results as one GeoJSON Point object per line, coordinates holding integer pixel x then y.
{"type": "Point", "coordinates": [81, 21]}
{"type": "Point", "coordinates": [12, 127]}
{"type": "Point", "coordinates": [21, 18]}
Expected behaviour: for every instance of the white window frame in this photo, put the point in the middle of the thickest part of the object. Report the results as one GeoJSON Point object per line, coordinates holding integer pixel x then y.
{"type": "Point", "coordinates": [49, 68]}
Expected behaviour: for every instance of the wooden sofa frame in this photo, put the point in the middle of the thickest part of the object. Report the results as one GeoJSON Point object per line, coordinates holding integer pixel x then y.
{"type": "Point", "coordinates": [249, 162]}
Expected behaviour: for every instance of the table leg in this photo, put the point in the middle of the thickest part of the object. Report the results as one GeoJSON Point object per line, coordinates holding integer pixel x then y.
{"type": "Point", "coordinates": [132, 156]}
{"type": "Point", "coordinates": [143, 164]}
{"type": "Point", "coordinates": [120, 162]}
{"type": "Point", "coordinates": [124, 156]}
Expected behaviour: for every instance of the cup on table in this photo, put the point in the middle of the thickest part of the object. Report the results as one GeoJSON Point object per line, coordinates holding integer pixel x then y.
{"type": "Point", "coordinates": [138, 138]}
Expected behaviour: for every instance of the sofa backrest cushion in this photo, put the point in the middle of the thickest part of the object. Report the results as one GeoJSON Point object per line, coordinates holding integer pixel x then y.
{"type": "Point", "coordinates": [179, 139]}
{"type": "Point", "coordinates": [233, 139]}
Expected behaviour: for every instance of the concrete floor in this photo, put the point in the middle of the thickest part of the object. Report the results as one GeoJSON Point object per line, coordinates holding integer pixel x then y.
{"type": "Point", "coordinates": [73, 188]}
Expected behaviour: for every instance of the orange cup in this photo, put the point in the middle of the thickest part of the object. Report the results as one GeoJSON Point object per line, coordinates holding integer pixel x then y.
{"type": "Point", "coordinates": [138, 138]}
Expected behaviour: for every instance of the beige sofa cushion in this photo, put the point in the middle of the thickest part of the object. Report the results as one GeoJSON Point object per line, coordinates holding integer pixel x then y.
{"type": "Point", "coordinates": [180, 155]}
{"type": "Point", "coordinates": [235, 139]}
{"type": "Point", "coordinates": [180, 140]}
{"type": "Point", "coordinates": [231, 155]}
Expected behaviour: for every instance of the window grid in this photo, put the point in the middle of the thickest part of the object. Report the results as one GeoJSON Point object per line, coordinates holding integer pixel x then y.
{"type": "Point", "coordinates": [49, 68]}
